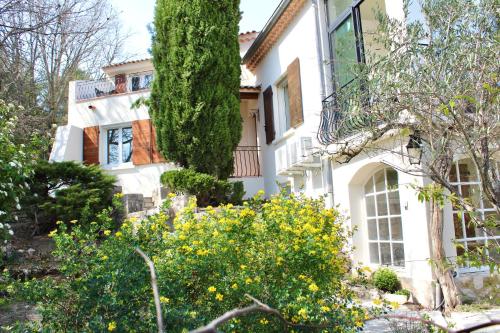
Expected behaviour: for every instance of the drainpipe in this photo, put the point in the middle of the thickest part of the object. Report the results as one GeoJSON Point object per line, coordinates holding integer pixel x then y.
{"type": "Point", "coordinates": [319, 48]}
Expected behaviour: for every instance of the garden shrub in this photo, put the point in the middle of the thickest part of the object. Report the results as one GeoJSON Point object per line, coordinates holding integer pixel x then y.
{"type": "Point", "coordinates": [67, 191]}
{"type": "Point", "coordinates": [385, 279]}
{"type": "Point", "coordinates": [289, 253]}
{"type": "Point", "coordinates": [207, 189]}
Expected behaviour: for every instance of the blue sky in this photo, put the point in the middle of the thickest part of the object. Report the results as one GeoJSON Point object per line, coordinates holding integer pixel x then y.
{"type": "Point", "coordinates": [136, 14]}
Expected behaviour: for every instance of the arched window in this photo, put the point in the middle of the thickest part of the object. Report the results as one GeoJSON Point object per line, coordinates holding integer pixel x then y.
{"type": "Point", "coordinates": [464, 177]}
{"type": "Point", "coordinates": [383, 215]}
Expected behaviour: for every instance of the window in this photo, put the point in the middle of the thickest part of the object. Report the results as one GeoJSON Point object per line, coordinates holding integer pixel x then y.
{"type": "Point", "coordinates": [140, 81]}
{"type": "Point", "coordinates": [352, 26]}
{"type": "Point", "coordinates": [119, 145]}
{"type": "Point", "coordinates": [383, 215]}
{"type": "Point", "coordinates": [464, 177]}
{"type": "Point", "coordinates": [284, 123]}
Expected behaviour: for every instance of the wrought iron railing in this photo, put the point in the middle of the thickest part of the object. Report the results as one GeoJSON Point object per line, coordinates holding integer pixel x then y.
{"type": "Point", "coordinates": [246, 162]}
{"type": "Point", "coordinates": [345, 113]}
{"type": "Point", "coordinates": [120, 84]}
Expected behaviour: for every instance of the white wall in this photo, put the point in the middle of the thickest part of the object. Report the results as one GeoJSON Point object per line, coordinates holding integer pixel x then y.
{"type": "Point", "coordinates": [68, 144]}
{"type": "Point", "coordinates": [298, 40]}
{"type": "Point", "coordinates": [252, 185]}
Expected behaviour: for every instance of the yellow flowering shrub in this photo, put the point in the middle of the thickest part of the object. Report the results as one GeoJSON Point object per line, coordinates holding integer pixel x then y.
{"type": "Point", "coordinates": [289, 252]}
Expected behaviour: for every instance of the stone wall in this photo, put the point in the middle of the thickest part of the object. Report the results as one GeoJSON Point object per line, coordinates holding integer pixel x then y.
{"type": "Point", "coordinates": [479, 287]}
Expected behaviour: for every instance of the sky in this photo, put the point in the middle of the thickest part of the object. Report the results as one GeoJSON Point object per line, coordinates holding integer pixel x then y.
{"type": "Point", "coordinates": [137, 14]}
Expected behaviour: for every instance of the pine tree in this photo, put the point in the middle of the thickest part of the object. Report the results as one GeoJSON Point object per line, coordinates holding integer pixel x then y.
{"type": "Point", "coordinates": [195, 95]}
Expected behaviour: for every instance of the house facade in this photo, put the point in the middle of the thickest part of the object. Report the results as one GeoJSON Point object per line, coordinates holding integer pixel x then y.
{"type": "Point", "coordinates": [287, 89]}
{"type": "Point", "coordinates": [105, 129]}
{"type": "Point", "coordinates": [306, 46]}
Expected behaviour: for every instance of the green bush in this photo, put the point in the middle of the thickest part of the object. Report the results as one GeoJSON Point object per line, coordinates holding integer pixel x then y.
{"type": "Point", "coordinates": [67, 191]}
{"type": "Point", "coordinates": [386, 280]}
{"type": "Point", "coordinates": [289, 253]}
{"type": "Point", "coordinates": [207, 189]}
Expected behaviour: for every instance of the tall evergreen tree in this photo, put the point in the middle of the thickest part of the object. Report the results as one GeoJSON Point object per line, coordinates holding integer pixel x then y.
{"type": "Point", "coordinates": [195, 95]}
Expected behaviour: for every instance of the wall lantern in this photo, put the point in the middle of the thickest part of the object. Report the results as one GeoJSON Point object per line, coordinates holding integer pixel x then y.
{"type": "Point", "coordinates": [414, 149]}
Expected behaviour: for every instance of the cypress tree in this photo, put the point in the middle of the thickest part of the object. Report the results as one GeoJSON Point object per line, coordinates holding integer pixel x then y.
{"type": "Point", "coordinates": [195, 95]}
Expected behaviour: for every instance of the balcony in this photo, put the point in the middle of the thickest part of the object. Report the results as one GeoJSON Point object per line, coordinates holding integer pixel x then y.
{"type": "Point", "coordinates": [246, 162]}
{"type": "Point", "coordinates": [119, 84]}
{"type": "Point", "coordinates": [345, 113]}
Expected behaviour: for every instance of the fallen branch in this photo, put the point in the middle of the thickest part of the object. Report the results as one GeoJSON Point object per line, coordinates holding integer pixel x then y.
{"type": "Point", "coordinates": [154, 285]}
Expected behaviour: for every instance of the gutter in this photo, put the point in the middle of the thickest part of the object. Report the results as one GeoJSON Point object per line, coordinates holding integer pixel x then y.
{"type": "Point", "coordinates": [266, 30]}
{"type": "Point", "coordinates": [319, 49]}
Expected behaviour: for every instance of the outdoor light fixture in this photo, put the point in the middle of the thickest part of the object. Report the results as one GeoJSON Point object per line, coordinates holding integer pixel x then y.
{"type": "Point", "coordinates": [414, 149]}
{"type": "Point", "coordinates": [92, 107]}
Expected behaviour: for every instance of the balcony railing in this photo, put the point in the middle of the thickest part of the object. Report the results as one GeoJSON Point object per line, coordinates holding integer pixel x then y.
{"type": "Point", "coordinates": [120, 84]}
{"type": "Point", "coordinates": [345, 113]}
{"type": "Point", "coordinates": [246, 162]}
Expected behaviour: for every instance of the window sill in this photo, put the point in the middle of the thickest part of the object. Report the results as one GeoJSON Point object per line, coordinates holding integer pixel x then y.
{"type": "Point", "coordinates": [285, 136]}
{"type": "Point", "coordinates": [117, 167]}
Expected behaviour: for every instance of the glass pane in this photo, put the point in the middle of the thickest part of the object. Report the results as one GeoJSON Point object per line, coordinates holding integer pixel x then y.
{"type": "Point", "coordinates": [392, 179]}
{"type": "Point", "coordinates": [467, 171]}
{"type": "Point", "coordinates": [336, 7]}
{"type": "Point", "coordinates": [385, 253]}
{"type": "Point", "coordinates": [473, 193]}
{"type": "Point", "coordinates": [148, 79]}
{"type": "Point", "coordinates": [394, 205]}
{"type": "Point", "coordinates": [370, 206]}
{"type": "Point", "coordinates": [383, 229]}
{"type": "Point", "coordinates": [453, 174]}
{"type": "Point", "coordinates": [372, 229]}
{"type": "Point", "coordinates": [381, 204]}
{"type": "Point", "coordinates": [374, 253]}
{"type": "Point", "coordinates": [286, 104]}
{"type": "Point", "coordinates": [369, 186]}
{"type": "Point", "coordinates": [457, 222]}
{"type": "Point", "coordinates": [127, 144]}
{"type": "Point", "coordinates": [380, 181]}
{"type": "Point", "coordinates": [136, 83]}
{"type": "Point", "coordinates": [344, 51]}
{"type": "Point", "coordinates": [396, 229]}
{"type": "Point", "coordinates": [398, 253]}
{"type": "Point", "coordinates": [113, 146]}
{"type": "Point", "coordinates": [369, 24]}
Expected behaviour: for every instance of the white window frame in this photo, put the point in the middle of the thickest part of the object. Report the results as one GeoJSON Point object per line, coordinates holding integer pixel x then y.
{"type": "Point", "coordinates": [375, 219]}
{"type": "Point", "coordinates": [120, 145]}
{"type": "Point", "coordinates": [480, 210]}
{"type": "Point", "coordinates": [283, 120]}
{"type": "Point", "coordinates": [142, 81]}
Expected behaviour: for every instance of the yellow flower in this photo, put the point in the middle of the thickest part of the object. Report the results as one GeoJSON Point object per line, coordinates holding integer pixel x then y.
{"type": "Point", "coordinates": [119, 195]}
{"type": "Point", "coordinates": [53, 233]}
{"type": "Point", "coordinates": [172, 195]}
{"type": "Point", "coordinates": [243, 267]}
{"type": "Point", "coordinates": [118, 234]}
{"type": "Point", "coordinates": [264, 321]}
{"type": "Point", "coordinates": [219, 297]}
{"type": "Point", "coordinates": [303, 313]}
{"type": "Point", "coordinates": [212, 289]}
{"type": "Point", "coordinates": [73, 221]}
{"type": "Point", "coordinates": [247, 212]}
{"type": "Point", "coordinates": [359, 323]}
{"type": "Point", "coordinates": [377, 301]}
{"type": "Point", "coordinates": [193, 314]}
{"type": "Point", "coordinates": [164, 300]}
{"type": "Point", "coordinates": [395, 305]}
{"type": "Point", "coordinates": [234, 286]}
{"type": "Point", "coordinates": [104, 258]}
{"type": "Point", "coordinates": [313, 287]}
{"type": "Point", "coordinates": [111, 326]}
{"type": "Point", "coordinates": [107, 232]}
{"type": "Point", "coordinates": [59, 222]}
{"type": "Point", "coordinates": [325, 308]}
{"type": "Point", "coordinates": [248, 280]}
{"type": "Point", "coordinates": [229, 206]}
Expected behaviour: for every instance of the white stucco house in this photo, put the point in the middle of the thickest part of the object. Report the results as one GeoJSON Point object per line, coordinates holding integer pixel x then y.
{"type": "Point", "coordinates": [286, 92]}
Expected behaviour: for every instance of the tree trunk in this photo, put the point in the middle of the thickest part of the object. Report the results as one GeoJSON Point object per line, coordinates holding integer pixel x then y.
{"type": "Point", "coordinates": [443, 268]}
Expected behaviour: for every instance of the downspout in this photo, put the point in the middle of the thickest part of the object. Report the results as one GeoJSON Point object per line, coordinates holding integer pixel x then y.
{"type": "Point", "coordinates": [326, 166]}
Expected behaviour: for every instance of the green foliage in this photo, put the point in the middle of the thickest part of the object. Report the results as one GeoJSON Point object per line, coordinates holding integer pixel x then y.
{"type": "Point", "coordinates": [404, 292]}
{"type": "Point", "coordinates": [386, 280]}
{"type": "Point", "coordinates": [289, 253]}
{"type": "Point", "coordinates": [207, 189]}
{"type": "Point", "coordinates": [195, 94]}
{"type": "Point", "coordinates": [15, 169]}
{"type": "Point", "coordinates": [67, 191]}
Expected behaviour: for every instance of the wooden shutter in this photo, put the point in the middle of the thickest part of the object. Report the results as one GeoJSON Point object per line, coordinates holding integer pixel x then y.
{"type": "Point", "coordinates": [269, 115]}
{"type": "Point", "coordinates": [91, 145]}
{"type": "Point", "coordinates": [295, 93]}
{"type": "Point", "coordinates": [144, 149]}
{"type": "Point", "coordinates": [120, 83]}
{"type": "Point", "coordinates": [141, 142]}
